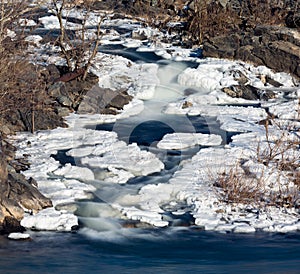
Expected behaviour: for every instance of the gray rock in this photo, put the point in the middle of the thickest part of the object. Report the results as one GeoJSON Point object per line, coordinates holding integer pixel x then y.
{"type": "Point", "coordinates": [54, 90]}
{"type": "Point", "coordinates": [65, 101]}
{"type": "Point", "coordinates": [103, 100]}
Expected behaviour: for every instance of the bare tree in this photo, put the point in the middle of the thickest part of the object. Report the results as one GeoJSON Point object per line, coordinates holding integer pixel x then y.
{"type": "Point", "coordinates": [80, 49]}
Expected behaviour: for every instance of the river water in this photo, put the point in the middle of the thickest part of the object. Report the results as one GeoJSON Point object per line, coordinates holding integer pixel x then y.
{"type": "Point", "coordinates": [147, 250]}
{"type": "Point", "coordinates": [154, 251]}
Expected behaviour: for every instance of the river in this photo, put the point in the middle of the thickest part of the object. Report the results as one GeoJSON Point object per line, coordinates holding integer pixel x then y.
{"type": "Point", "coordinates": [96, 248]}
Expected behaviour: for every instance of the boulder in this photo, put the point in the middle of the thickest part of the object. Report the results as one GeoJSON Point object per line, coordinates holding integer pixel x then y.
{"type": "Point", "coordinates": [103, 100]}
{"type": "Point", "coordinates": [248, 92]}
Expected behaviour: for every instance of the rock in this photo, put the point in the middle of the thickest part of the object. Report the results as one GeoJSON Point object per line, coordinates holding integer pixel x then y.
{"type": "Point", "coordinates": [26, 194]}
{"type": "Point", "coordinates": [11, 224]}
{"type": "Point", "coordinates": [62, 111]}
{"type": "Point", "coordinates": [3, 167]}
{"type": "Point", "coordinates": [52, 73]}
{"type": "Point", "coordinates": [119, 101]}
{"type": "Point", "coordinates": [16, 193]}
{"type": "Point", "coordinates": [248, 92]}
{"type": "Point", "coordinates": [241, 91]}
{"type": "Point", "coordinates": [272, 46]}
{"type": "Point", "coordinates": [103, 100]}
{"type": "Point", "coordinates": [186, 104]}
{"type": "Point", "coordinates": [65, 101]}
{"type": "Point", "coordinates": [139, 34]}
{"type": "Point", "coordinates": [54, 90]}
{"type": "Point", "coordinates": [292, 20]}
{"type": "Point", "coordinates": [272, 82]}
{"type": "Point", "coordinates": [240, 77]}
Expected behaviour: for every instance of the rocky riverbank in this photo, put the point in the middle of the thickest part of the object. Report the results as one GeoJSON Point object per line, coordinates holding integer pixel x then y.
{"type": "Point", "coordinates": [60, 94]}
{"type": "Point", "coordinates": [273, 46]}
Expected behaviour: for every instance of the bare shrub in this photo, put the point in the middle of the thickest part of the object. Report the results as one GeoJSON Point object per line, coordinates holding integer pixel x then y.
{"type": "Point", "coordinates": [238, 187]}
{"type": "Point", "coordinates": [279, 153]}
{"type": "Point", "coordinates": [78, 51]}
{"type": "Point", "coordinates": [21, 88]}
{"type": "Point", "coordinates": [235, 186]}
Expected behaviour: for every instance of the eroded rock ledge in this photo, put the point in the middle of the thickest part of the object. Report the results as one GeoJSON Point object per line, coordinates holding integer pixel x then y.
{"type": "Point", "coordinates": [16, 193]}
{"type": "Point", "coordinates": [275, 47]}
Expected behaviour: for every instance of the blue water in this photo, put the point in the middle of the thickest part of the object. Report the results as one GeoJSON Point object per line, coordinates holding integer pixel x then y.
{"type": "Point", "coordinates": [163, 252]}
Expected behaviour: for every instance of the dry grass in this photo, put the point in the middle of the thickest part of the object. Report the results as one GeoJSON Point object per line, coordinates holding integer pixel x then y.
{"type": "Point", "coordinates": [235, 186]}
{"type": "Point", "coordinates": [280, 156]}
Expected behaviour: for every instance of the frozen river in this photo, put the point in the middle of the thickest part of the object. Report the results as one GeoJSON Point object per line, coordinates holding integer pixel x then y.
{"type": "Point", "coordinates": [139, 184]}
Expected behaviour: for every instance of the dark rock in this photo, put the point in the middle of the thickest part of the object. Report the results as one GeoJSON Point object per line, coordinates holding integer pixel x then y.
{"type": "Point", "coordinates": [55, 90]}
{"type": "Point", "coordinates": [187, 104]}
{"type": "Point", "coordinates": [62, 111]}
{"type": "Point", "coordinates": [119, 101]}
{"type": "Point", "coordinates": [292, 20]}
{"type": "Point", "coordinates": [240, 77]}
{"type": "Point", "coordinates": [248, 92]}
{"type": "Point", "coordinates": [275, 47]}
{"type": "Point", "coordinates": [41, 118]}
{"type": "Point", "coordinates": [10, 225]}
{"type": "Point", "coordinates": [75, 228]}
{"type": "Point", "coordinates": [139, 35]}
{"type": "Point", "coordinates": [3, 167]}
{"type": "Point", "coordinates": [53, 73]}
{"type": "Point", "coordinates": [273, 82]}
{"type": "Point", "coordinates": [65, 101]}
{"type": "Point", "coordinates": [241, 91]}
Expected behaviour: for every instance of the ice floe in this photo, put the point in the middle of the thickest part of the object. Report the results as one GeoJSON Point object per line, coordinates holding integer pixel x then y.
{"type": "Point", "coordinates": [130, 158]}
{"type": "Point", "coordinates": [180, 140]}
{"type": "Point", "coordinates": [18, 236]}
{"type": "Point", "coordinates": [50, 219]}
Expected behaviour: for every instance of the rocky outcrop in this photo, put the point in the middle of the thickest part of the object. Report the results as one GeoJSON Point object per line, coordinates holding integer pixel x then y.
{"type": "Point", "coordinates": [16, 194]}
{"type": "Point", "coordinates": [57, 93]}
{"type": "Point", "coordinates": [275, 47]}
